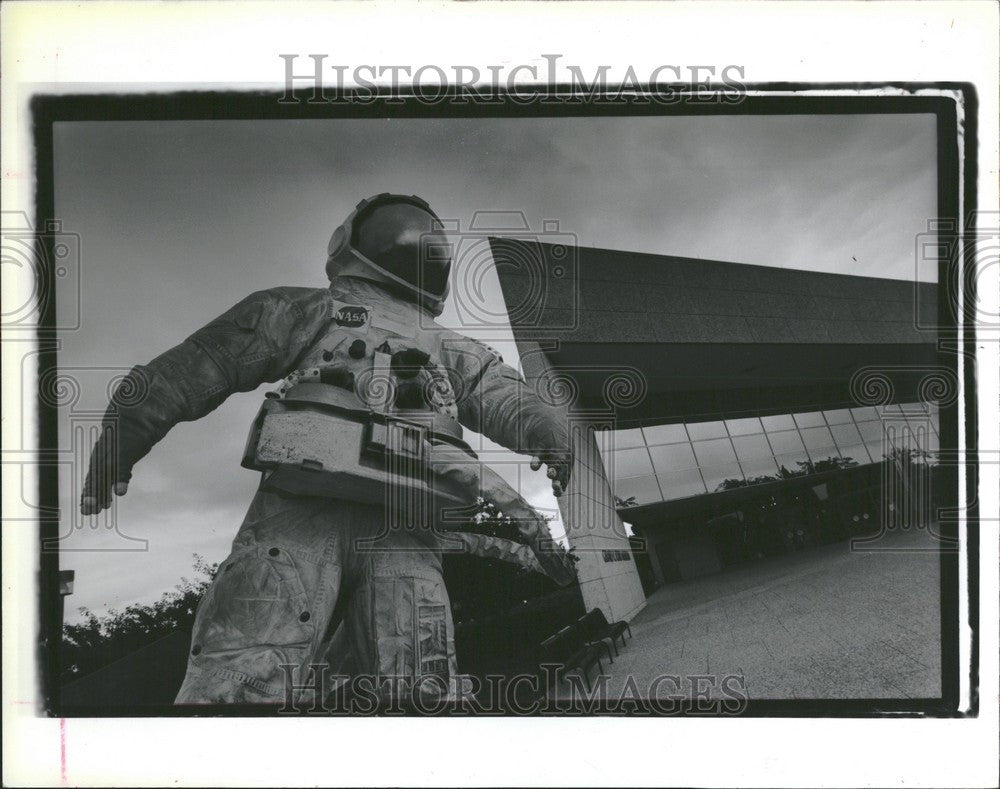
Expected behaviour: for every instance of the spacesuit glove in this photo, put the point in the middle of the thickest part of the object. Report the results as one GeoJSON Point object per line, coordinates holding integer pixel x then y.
{"type": "Point", "coordinates": [560, 467]}
{"type": "Point", "coordinates": [106, 473]}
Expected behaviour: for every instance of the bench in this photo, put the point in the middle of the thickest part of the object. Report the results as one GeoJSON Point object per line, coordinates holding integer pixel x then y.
{"type": "Point", "coordinates": [569, 650]}
{"type": "Point", "coordinates": [594, 626]}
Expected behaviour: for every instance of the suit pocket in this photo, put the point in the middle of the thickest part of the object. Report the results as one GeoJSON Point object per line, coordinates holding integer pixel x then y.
{"type": "Point", "coordinates": [257, 599]}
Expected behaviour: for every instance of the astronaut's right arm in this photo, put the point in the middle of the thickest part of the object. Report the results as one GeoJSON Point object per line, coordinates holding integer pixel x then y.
{"type": "Point", "coordinates": [493, 399]}
{"type": "Point", "coordinates": [254, 342]}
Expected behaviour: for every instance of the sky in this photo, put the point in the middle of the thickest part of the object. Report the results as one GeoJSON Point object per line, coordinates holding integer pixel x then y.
{"type": "Point", "coordinates": [178, 221]}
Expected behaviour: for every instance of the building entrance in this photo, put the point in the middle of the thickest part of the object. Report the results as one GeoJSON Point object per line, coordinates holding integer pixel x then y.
{"type": "Point", "coordinates": [772, 520]}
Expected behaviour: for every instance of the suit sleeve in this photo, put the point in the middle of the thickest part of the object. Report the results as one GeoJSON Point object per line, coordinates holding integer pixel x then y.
{"type": "Point", "coordinates": [255, 342]}
{"type": "Point", "coordinates": [493, 399]}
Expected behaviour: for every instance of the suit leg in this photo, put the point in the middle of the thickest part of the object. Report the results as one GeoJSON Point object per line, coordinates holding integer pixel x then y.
{"type": "Point", "coordinates": [399, 615]}
{"type": "Point", "coordinates": [264, 621]}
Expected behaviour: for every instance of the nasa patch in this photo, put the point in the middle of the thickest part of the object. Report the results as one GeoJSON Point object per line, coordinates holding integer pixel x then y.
{"type": "Point", "coordinates": [351, 316]}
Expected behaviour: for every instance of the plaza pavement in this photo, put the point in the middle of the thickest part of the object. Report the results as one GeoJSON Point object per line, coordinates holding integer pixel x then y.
{"type": "Point", "coordinates": [822, 623]}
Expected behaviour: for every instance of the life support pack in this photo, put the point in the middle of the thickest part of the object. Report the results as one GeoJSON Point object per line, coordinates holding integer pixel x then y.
{"type": "Point", "coordinates": [363, 417]}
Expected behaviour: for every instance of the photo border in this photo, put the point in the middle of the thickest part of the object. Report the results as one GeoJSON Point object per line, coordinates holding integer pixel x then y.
{"type": "Point", "coordinates": [957, 199]}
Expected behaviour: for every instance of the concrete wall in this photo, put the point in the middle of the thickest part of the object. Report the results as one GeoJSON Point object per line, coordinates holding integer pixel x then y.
{"type": "Point", "coordinates": [606, 570]}
{"type": "Point", "coordinates": [588, 513]}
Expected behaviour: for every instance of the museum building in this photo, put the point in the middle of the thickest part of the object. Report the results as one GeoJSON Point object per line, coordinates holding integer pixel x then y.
{"type": "Point", "coordinates": [726, 412]}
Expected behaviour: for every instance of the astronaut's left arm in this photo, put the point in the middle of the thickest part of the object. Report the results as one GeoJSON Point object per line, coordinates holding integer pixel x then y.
{"type": "Point", "coordinates": [493, 399]}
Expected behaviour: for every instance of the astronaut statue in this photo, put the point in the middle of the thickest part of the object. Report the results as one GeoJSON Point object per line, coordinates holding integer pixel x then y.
{"type": "Point", "coordinates": [361, 457]}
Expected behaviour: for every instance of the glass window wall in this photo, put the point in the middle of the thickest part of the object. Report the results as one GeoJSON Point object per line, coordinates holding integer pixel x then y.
{"type": "Point", "coordinates": [751, 447]}
{"type": "Point", "coordinates": [665, 434]}
{"type": "Point", "coordinates": [625, 439]}
{"type": "Point", "coordinates": [673, 461]}
{"type": "Point", "coordinates": [703, 430]}
{"type": "Point", "coordinates": [629, 463]}
{"type": "Point", "coordinates": [810, 419]}
{"type": "Point", "coordinates": [744, 427]}
{"type": "Point", "coordinates": [722, 477]}
{"type": "Point", "coordinates": [780, 422]}
{"type": "Point", "coordinates": [635, 491]}
{"type": "Point", "coordinates": [681, 484]}
{"type": "Point", "coordinates": [668, 458]}
{"type": "Point", "coordinates": [714, 452]}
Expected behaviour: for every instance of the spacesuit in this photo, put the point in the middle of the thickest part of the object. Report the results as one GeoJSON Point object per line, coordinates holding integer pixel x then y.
{"type": "Point", "coordinates": [315, 551]}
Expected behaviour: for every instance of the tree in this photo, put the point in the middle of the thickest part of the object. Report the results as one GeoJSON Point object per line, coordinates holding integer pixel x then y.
{"type": "Point", "coordinates": [100, 640]}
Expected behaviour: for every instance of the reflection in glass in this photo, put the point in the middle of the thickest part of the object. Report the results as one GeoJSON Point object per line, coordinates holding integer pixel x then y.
{"type": "Point", "coordinates": [665, 434]}
{"type": "Point", "coordinates": [916, 409]}
{"type": "Point", "coordinates": [870, 431]}
{"type": "Point", "coordinates": [779, 422]}
{"type": "Point", "coordinates": [810, 419]}
{"type": "Point", "coordinates": [785, 441]}
{"type": "Point", "coordinates": [681, 484]}
{"type": "Point", "coordinates": [710, 453]}
{"type": "Point", "coordinates": [826, 459]}
{"type": "Point", "coordinates": [624, 439]}
{"type": "Point", "coordinates": [636, 490]}
{"type": "Point", "coordinates": [793, 464]}
{"type": "Point", "coordinates": [759, 470]}
{"type": "Point", "coordinates": [605, 441]}
{"type": "Point", "coordinates": [672, 457]}
{"type": "Point", "coordinates": [877, 450]}
{"type": "Point", "coordinates": [895, 433]}
{"type": "Point", "coordinates": [629, 463]}
{"type": "Point", "coordinates": [702, 430]}
{"type": "Point", "coordinates": [817, 438]}
{"type": "Point", "coordinates": [904, 437]}
{"type": "Point", "coordinates": [743, 427]}
{"type": "Point", "coordinates": [920, 422]}
{"type": "Point", "coordinates": [857, 454]}
{"type": "Point", "coordinates": [728, 475]}
{"type": "Point", "coordinates": [932, 447]}
{"type": "Point", "coordinates": [750, 447]}
{"type": "Point", "coordinates": [865, 413]}
{"type": "Point", "coordinates": [661, 461]}
{"type": "Point", "coordinates": [935, 422]}
{"type": "Point", "coordinates": [839, 416]}
{"type": "Point", "coordinates": [845, 435]}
